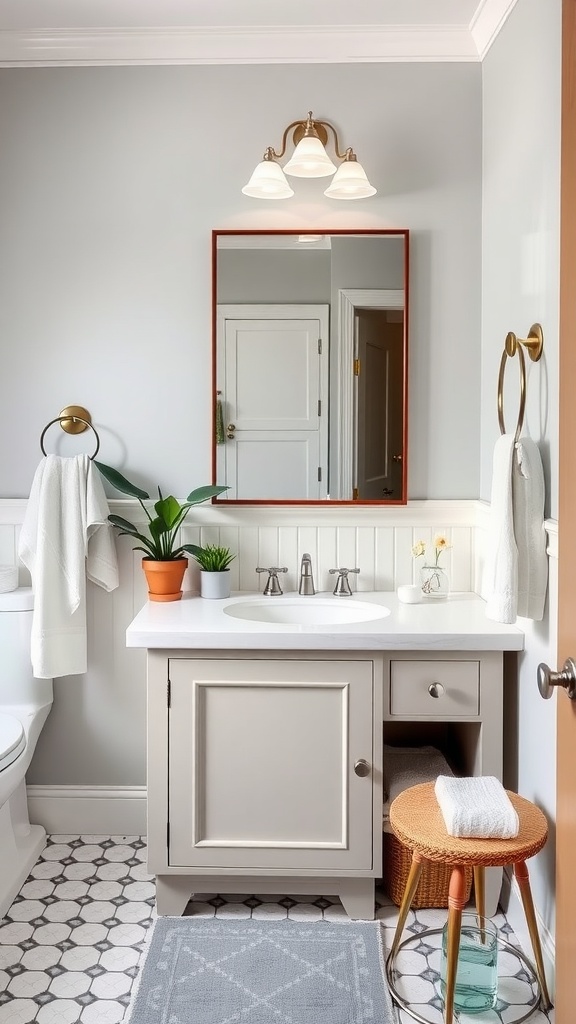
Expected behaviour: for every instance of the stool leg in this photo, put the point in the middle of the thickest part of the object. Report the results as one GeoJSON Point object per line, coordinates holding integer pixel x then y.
{"type": "Point", "coordinates": [411, 886]}
{"type": "Point", "coordinates": [456, 902]}
{"type": "Point", "coordinates": [480, 897]}
{"type": "Point", "coordinates": [479, 891]}
{"type": "Point", "coordinates": [521, 872]}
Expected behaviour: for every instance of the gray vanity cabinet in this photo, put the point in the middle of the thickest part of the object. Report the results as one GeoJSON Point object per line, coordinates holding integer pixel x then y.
{"type": "Point", "coordinates": [265, 765]}
{"type": "Point", "coordinates": [261, 764]}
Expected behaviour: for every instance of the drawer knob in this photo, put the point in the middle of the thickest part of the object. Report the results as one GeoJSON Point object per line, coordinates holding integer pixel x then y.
{"type": "Point", "coordinates": [436, 690]}
{"type": "Point", "coordinates": [362, 768]}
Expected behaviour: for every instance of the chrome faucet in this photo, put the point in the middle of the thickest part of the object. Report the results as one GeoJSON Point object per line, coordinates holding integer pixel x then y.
{"type": "Point", "coordinates": [342, 588]}
{"type": "Point", "coordinates": [306, 585]}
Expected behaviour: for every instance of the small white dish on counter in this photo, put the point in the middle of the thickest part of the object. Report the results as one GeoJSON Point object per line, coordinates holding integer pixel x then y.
{"type": "Point", "coordinates": [409, 593]}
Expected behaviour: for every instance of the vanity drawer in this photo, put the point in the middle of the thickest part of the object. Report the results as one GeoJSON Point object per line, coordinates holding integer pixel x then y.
{"type": "Point", "coordinates": [436, 688]}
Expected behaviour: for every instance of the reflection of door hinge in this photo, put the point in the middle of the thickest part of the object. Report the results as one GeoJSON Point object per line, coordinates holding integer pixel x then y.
{"type": "Point", "coordinates": [356, 367]}
{"type": "Point", "coordinates": [355, 494]}
{"type": "Point", "coordinates": [319, 473]}
{"type": "Point", "coordinates": [319, 406]}
{"type": "Point", "coordinates": [169, 694]}
{"type": "Point", "coordinates": [319, 346]}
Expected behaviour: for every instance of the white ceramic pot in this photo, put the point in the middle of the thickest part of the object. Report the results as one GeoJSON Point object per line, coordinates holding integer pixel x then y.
{"type": "Point", "coordinates": [215, 585]}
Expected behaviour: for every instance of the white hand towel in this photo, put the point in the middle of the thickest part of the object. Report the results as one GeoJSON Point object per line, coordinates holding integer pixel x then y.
{"type": "Point", "coordinates": [500, 584]}
{"type": "Point", "coordinates": [476, 808]}
{"type": "Point", "coordinates": [528, 512]}
{"type": "Point", "coordinates": [64, 538]}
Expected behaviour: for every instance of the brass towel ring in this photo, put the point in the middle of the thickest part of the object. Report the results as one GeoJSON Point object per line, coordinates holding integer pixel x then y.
{"type": "Point", "coordinates": [533, 344]}
{"type": "Point", "coordinates": [74, 419]}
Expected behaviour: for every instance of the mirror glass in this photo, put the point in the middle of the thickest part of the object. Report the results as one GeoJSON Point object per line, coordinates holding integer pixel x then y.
{"type": "Point", "coordinates": [310, 366]}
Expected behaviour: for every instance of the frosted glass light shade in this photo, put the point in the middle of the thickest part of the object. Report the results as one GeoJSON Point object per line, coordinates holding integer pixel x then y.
{"type": "Point", "coordinates": [268, 182]}
{"type": "Point", "coordinates": [310, 160]}
{"type": "Point", "coordinates": [350, 182]}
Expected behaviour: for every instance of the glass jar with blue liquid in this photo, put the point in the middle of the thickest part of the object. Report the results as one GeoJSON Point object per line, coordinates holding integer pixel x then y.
{"type": "Point", "coordinates": [476, 988]}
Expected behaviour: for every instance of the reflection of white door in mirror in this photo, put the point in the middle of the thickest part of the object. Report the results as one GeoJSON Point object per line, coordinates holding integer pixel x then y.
{"type": "Point", "coordinates": [378, 421]}
{"type": "Point", "coordinates": [273, 378]}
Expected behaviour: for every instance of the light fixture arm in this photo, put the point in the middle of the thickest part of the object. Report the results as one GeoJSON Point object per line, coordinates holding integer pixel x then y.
{"type": "Point", "coordinates": [313, 128]}
{"type": "Point", "coordinates": [348, 153]}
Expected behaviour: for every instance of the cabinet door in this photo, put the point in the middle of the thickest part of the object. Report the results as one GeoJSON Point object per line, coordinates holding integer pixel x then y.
{"type": "Point", "coordinates": [261, 764]}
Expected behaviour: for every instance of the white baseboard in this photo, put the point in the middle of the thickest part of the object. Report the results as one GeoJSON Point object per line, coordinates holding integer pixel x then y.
{"type": "Point", "coordinates": [89, 810]}
{"type": "Point", "coordinates": [517, 920]}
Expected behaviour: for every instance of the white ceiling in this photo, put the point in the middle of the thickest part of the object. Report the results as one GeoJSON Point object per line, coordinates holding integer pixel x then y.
{"type": "Point", "coordinates": [75, 32]}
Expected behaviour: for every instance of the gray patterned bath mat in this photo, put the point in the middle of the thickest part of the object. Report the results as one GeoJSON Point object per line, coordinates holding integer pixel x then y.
{"type": "Point", "coordinates": [207, 971]}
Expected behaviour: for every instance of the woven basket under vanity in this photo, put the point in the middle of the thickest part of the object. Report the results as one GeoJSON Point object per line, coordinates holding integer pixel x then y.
{"type": "Point", "coordinates": [434, 881]}
{"type": "Point", "coordinates": [426, 763]}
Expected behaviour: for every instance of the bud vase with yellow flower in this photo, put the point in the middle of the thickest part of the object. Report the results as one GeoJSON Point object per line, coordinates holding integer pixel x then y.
{"type": "Point", "coordinates": [434, 581]}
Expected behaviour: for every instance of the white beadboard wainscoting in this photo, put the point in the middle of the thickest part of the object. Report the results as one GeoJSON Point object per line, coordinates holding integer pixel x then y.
{"type": "Point", "coordinates": [376, 539]}
{"type": "Point", "coordinates": [90, 765]}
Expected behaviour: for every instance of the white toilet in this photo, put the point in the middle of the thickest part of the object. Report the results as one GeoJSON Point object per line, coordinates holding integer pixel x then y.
{"type": "Point", "coordinates": [25, 703]}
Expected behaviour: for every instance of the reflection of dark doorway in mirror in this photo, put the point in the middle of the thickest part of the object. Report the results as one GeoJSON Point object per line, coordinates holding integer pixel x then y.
{"type": "Point", "coordinates": [297, 432]}
{"type": "Point", "coordinates": [378, 369]}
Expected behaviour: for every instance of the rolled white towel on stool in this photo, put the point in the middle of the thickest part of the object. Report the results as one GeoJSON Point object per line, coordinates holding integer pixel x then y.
{"type": "Point", "coordinates": [476, 808]}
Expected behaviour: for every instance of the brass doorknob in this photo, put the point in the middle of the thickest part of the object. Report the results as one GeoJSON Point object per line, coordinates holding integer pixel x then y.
{"type": "Point", "coordinates": [230, 431]}
{"type": "Point", "coordinates": [547, 679]}
{"type": "Point", "coordinates": [362, 768]}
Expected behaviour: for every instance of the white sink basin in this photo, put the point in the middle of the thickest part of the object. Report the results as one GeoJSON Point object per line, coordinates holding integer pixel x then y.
{"type": "Point", "coordinates": [306, 611]}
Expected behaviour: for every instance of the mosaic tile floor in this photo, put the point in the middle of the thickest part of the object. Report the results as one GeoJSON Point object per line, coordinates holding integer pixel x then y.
{"type": "Point", "coordinates": [71, 943]}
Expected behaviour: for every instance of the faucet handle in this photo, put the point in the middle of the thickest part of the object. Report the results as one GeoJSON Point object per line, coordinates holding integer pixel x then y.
{"type": "Point", "coordinates": [342, 588]}
{"type": "Point", "coordinates": [272, 584]}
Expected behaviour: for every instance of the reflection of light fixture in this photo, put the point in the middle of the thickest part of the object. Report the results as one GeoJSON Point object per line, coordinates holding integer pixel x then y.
{"type": "Point", "coordinates": [309, 160]}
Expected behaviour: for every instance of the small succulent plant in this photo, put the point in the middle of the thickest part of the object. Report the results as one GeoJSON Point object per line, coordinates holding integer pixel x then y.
{"type": "Point", "coordinates": [212, 558]}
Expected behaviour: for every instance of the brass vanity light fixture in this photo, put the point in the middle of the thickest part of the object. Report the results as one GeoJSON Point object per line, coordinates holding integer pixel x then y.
{"type": "Point", "coordinates": [309, 160]}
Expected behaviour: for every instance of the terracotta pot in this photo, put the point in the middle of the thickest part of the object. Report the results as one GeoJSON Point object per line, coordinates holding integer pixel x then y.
{"type": "Point", "coordinates": [164, 578]}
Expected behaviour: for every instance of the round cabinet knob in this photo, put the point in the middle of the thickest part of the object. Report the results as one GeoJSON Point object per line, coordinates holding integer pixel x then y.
{"type": "Point", "coordinates": [397, 458]}
{"type": "Point", "coordinates": [230, 431]}
{"type": "Point", "coordinates": [547, 679]}
{"type": "Point", "coordinates": [436, 690]}
{"type": "Point", "coordinates": [362, 768]}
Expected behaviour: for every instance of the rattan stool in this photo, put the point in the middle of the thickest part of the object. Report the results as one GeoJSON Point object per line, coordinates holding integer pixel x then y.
{"type": "Point", "coordinates": [416, 820]}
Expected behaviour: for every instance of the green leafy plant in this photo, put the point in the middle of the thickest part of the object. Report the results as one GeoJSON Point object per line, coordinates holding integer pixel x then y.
{"type": "Point", "coordinates": [213, 558]}
{"type": "Point", "coordinates": [160, 542]}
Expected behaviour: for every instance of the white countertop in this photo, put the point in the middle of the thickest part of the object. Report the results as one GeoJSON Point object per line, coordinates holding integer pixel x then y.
{"type": "Point", "coordinates": [456, 624]}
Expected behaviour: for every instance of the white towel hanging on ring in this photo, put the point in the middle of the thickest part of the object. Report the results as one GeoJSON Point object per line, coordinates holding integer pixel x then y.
{"type": "Point", "coordinates": [516, 565]}
{"type": "Point", "coordinates": [65, 538]}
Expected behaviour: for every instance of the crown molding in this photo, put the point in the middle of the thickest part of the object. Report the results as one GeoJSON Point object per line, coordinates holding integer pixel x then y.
{"type": "Point", "coordinates": [489, 18]}
{"type": "Point", "coordinates": [313, 44]}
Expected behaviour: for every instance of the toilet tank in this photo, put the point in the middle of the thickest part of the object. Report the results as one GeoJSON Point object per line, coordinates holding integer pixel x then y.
{"type": "Point", "coordinates": [17, 684]}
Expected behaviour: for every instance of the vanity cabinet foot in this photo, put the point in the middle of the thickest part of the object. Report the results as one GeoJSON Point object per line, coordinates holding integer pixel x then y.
{"type": "Point", "coordinates": [357, 898]}
{"type": "Point", "coordinates": [356, 894]}
{"type": "Point", "coordinates": [172, 894]}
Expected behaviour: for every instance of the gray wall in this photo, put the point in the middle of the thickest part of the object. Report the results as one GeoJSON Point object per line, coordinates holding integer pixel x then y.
{"type": "Point", "coordinates": [111, 180]}
{"type": "Point", "coordinates": [520, 285]}
{"type": "Point", "coordinates": [276, 276]}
